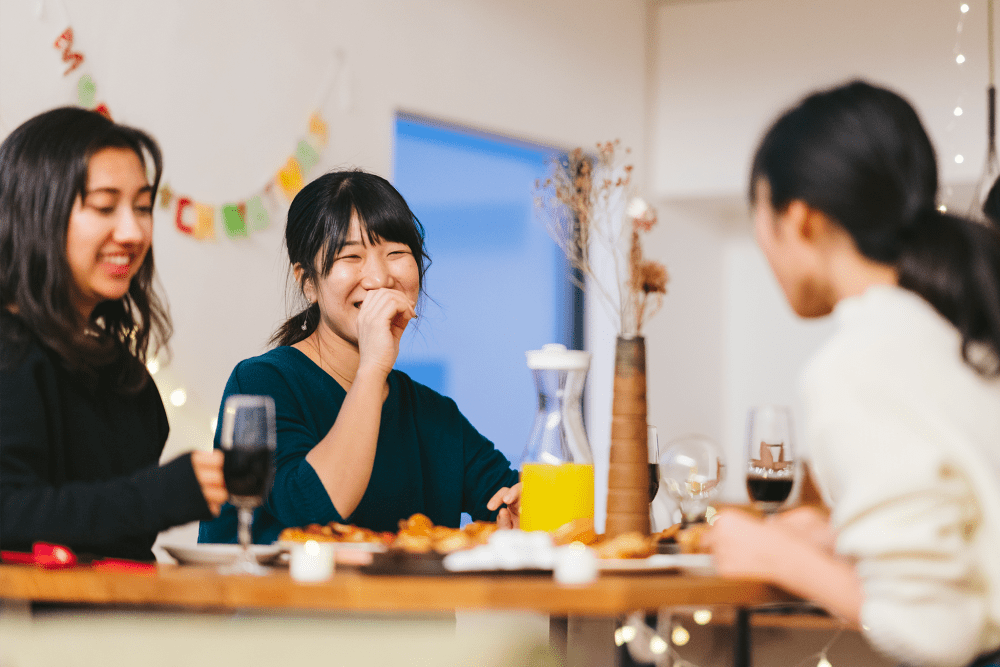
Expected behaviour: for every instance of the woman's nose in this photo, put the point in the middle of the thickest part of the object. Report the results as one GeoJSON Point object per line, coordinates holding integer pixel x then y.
{"type": "Point", "coordinates": [130, 228]}
{"type": "Point", "coordinates": [376, 274]}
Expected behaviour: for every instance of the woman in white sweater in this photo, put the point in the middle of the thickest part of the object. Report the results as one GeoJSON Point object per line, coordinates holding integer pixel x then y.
{"type": "Point", "coordinates": [902, 405]}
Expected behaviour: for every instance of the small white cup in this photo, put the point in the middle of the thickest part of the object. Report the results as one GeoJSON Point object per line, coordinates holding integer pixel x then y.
{"type": "Point", "coordinates": [312, 561]}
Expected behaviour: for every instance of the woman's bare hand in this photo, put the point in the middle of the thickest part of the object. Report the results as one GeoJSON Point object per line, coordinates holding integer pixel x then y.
{"type": "Point", "coordinates": [809, 523]}
{"type": "Point", "coordinates": [509, 516]}
{"type": "Point", "coordinates": [208, 471]}
{"type": "Point", "coordinates": [382, 318]}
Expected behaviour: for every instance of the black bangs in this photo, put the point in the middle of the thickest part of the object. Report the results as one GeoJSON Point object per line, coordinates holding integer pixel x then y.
{"type": "Point", "coordinates": [382, 213]}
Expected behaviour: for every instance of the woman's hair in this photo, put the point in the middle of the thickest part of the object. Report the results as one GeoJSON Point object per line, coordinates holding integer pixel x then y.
{"type": "Point", "coordinates": [43, 170]}
{"type": "Point", "coordinates": [859, 154]}
{"type": "Point", "coordinates": [319, 220]}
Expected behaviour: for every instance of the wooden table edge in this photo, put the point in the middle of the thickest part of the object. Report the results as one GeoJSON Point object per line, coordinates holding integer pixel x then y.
{"type": "Point", "coordinates": [202, 588]}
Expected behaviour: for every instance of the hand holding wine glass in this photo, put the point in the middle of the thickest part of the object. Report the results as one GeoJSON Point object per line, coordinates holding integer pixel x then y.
{"type": "Point", "coordinates": [770, 457]}
{"type": "Point", "coordinates": [249, 438]}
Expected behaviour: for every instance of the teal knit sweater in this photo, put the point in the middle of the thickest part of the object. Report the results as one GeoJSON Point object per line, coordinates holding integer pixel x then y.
{"type": "Point", "coordinates": [428, 459]}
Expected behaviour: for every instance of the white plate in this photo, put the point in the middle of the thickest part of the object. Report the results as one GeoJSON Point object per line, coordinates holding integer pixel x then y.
{"type": "Point", "coordinates": [371, 547]}
{"type": "Point", "coordinates": [701, 563]}
{"type": "Point", "coordinates": [220, 554]}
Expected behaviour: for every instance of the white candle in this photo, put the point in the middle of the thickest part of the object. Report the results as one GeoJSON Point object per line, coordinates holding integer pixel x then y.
{"type": "Point", "coordinates": [575, 564]}
{"type": "Point", "coordinates": [312, 561]}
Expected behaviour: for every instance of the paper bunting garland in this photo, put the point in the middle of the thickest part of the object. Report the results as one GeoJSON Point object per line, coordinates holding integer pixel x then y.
{"type": "Point", "coordinates": [240, 218]}
{"type": "Point", "coordinates": [237, 219]}
{"type": "Point", "coordinates": [86, 90]}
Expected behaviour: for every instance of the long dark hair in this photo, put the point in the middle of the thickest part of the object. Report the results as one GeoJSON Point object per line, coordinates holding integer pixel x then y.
{"type": "Point", "coordinates": [319, 220]}
{"type": "Point", "coordinates": [859, 154]}
{"type": "Point", "coordinates": [43, 169]}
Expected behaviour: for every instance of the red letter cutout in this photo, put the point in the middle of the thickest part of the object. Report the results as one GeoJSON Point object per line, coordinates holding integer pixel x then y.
{"type": "Point", "coordinates": [65, 43]}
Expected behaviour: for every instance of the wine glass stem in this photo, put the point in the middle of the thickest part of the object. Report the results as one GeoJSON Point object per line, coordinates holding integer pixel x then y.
{"type": "Point", "coordinates": [245, 517]}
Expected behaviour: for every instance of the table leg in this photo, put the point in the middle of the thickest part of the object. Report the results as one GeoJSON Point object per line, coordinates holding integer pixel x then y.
{"type": "Point", "coordinates": [583, 641]}
{"type": "Point", "coordinates": [743, 646]}
{"type": "Point", "coordinates": [558, 635]}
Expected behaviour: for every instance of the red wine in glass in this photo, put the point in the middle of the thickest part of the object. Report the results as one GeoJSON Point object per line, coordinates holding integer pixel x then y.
{"type": "Point", "coordinates": [247, 471]}
{"type": "Point", "coordinates": [771, 465]}
{"type": "Point", "coordinates": [248, 439]}
{"type": "Point", "coordinates": [769, 490]}
{"type": "Point", "coordinates": [654, 480]}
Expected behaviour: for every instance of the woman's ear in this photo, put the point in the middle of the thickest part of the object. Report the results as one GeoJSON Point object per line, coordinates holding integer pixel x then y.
{"type": "Point", "coordinates": [805, 223]}
{"type": "Point", "coordinates": [306, 285]}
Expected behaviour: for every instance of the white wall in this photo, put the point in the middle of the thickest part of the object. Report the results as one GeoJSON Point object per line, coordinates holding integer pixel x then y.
{"type": "Point", "coordinates": [726, 67]}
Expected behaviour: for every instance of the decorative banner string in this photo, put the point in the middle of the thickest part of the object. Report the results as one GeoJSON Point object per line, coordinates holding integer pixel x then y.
{"type": "Point", "coordinates": [238, 218]}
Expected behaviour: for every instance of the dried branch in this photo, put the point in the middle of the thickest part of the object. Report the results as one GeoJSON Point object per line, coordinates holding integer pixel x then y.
{"type": "Point", "coordinates": [584, 202]}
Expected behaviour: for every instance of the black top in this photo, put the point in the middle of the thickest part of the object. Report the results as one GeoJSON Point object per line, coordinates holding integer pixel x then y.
{"type": "Point", "coordinates": [79, 461]}
{"type": "Point", "coordinates": [428, 458]}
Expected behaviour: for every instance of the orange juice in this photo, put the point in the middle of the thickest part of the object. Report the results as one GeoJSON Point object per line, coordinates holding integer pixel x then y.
{"type": "Point", "coordinates": [552, 495]}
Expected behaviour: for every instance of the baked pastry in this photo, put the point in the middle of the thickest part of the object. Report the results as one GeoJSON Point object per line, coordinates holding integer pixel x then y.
{"type": "Point", "coordinates": [689, 539]}
{"type": "Point", "coordinates": [334, 532]}
{"type": "Point", "coordinates": [627, 545]}
{"type": "Point", "coordinates": [578, 530]}
{"type": "Point", "coordinates": [417, 535]}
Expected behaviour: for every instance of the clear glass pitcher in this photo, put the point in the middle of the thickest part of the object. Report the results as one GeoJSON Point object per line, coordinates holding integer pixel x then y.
{"type": "Point", "coordinates": [557, 469]}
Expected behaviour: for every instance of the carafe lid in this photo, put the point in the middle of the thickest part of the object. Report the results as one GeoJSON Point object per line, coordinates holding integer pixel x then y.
{"type": "Point", "coordinates": [556, 357]}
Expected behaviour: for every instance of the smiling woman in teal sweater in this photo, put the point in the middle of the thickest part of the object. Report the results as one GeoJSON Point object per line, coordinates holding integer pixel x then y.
{"type": "Point", "coordinates": [359, 442]}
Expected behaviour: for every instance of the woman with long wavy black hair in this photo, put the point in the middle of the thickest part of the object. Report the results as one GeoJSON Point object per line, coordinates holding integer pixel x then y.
{"type": "Point", "coordinates": [82, 425]}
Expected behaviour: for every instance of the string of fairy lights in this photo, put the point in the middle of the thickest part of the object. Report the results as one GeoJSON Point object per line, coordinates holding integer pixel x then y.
{"type": "Point", "coordinates": [658, 646]}
{"type": "Point", "coordinates": [967, 12]}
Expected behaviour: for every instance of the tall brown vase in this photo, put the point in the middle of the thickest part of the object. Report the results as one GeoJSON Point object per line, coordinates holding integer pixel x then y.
{"type": "Point", "coordinates": [628, 471]}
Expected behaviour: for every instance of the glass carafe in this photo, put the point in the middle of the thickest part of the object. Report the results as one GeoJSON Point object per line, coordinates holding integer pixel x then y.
{"type": "Point", "coordinates": [557, 469]}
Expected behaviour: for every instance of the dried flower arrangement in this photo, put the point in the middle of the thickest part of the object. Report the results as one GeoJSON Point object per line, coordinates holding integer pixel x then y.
{"type": "Point", "coordinates": [584, 202]}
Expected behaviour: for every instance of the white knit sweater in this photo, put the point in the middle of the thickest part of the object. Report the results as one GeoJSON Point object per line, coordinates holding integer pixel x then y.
{"type": "Point", "coordinates": [905, 444]}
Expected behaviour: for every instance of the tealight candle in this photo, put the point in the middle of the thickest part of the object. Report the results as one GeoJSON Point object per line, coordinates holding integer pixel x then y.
{"type": "Point", "coordinates": [312, 561]}
{"type": "Point", "coordinates": [575, 564]}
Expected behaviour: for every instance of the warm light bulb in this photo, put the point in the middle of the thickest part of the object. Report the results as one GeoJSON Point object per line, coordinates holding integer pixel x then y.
{"type": "Point", "coordinates": [959, 159]}
{"type": "Point", "coordinates": [619, 638]}
{"type": "Point", "coordinates": [964, 8]}
{"type": "Point", "coordinates": [178, 397]}
{"type": "Point", "coordinates": [960, 59]}
{"type": "Point", "coordinates": [958, 111]}
{"type": "Point", "coordinates": [680, 636]}
{"type": "Point", "coordinates": [823, 662]}
{"type": "Point", "coordinates": [153, 366]}
{"type": "Point", "coordinates": [943, 208]}
{"type": "Point", "coordinates": [628, 633]}
{"type": "Point", "coordinates": [702, 616]}
{"type": "Point", "coordinates": [657, 645]}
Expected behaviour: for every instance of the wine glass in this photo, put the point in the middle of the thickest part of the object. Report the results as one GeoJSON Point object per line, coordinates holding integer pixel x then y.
{"type": "Point", "coordinates": [248, 440]}
{"type": "Point", "coordinates": [653, 445]}
{"type": "Point", "coordinates": [654, 461]}
{"type": "Point", "coordinates": [770, 456]}
{"type": "Point", "coordinates": [693, 471]}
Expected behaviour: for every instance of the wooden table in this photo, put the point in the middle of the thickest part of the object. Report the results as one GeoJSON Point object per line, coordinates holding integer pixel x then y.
{"type": "Point", "coordinates": [202, 588]}
{"type": "Point", "coordinates": [193, 588]}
